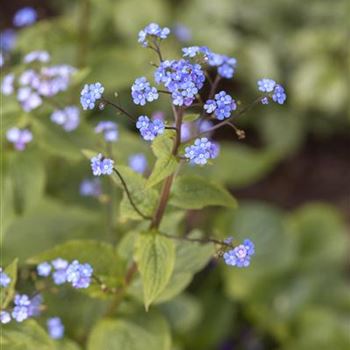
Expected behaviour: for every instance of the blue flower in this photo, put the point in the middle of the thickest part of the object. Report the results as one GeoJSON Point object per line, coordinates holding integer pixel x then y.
{"type": "Point", "coordinates": [20, 311]}
{"type": "Point", "coordinates": [222, 106]}
{"type": "Point", "coordinates": [101, 165]}
{"type": "Point", "coordinates": [90, 94]}
{"type": "Point", "coordinates": [79, 274]}
{"type": "Point", "coordinates": [7, 85]}
{"type": "Point", "coordinates": [240, 255]}
{"type": "Point", "coordinates": [7, 40]}
{"type": "Point", "coordinates": [34, 308]}
{"type": "Point", "coordinates": [28, 98]}
{"type": "Point", "coordinates": [149, 129]}
{"type": "Point", "coordinates": [138, 162]}
{"type": "Point", "coordinates": [59, 276]}
{"type": "Point", "coordinates": [182, 32]}
{"type": "Point", "coordinates": [265, 100]}
{"type": "Point", "coordinates": [226, 65]}
{"type": "Point", "coordinates": [91, 188]}
{"type": "Point", "coordinates": [19, 137]}
{"type": "Point", "coordinates": [279, 94]}
{"type": "Point", "coordinates": [182, 79]}
{"type": "Point", "coordinates": [55, 327]}
{"type": "Point", "coordinates": [40, 56]}
{"type": "Point", "coordinates": [201, 151]}
{"type": "Point", "coordinates": [25, 17]}
{"type": "Point", "coordinates": [4, 279]}
{"type": "Point", "coordinates": [67, 117]}
{"type": "Point", "coordinates": [153, 30]}
{"type": "Point", "coordinates": [141, 91]}
{"type": "Point", "coordinates": [109, 130]}
{"type": "Point", "coordinates": [5, 317]}
{"type": "Point", "coordinates": [266, 85]}
{"type": "Point", "coordinates": [204, 125]}
{"type": "Point", "coordinates": [44, 269]}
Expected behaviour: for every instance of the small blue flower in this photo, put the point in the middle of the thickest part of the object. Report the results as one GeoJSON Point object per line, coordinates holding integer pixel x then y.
{"type": "Point", "coordinates": [44, 269]}
{"type": "Point", "coordinates": [5, 317]}
{"type": "Point", "coordinates": [34, 308]}
{"type": "Point", "coordinates": [7, 85]}
{"type": "Point", "coordinates": [240, 255]}
{"type": "Point", "coordinates": [20, 311]}
{"type": "Point", "coordinates": [91, 188]}
{"type": "Point", "coordinates": [90, 94]}
{"type": "Point", "coordinates": [265, 100]}
{"type": "Point", "coordinates": [79, 274]}
{"type": "Point", "coordinates": [182, 79]}
{"type": "Point", "coordinates": [153, 30]}
{"type": "Point", "coordinates": [40, 56]}
{"type": "Point", "coordinates": [266, 85]}
{"type": "Point", "coordinates": [138, 162]}
{"type": "Point", "coordinates": [204, 125]}
{"type": "Point", "coordinates": [25, 17]}
{"type": "Point", "coordinates": [4, 279]}
{"type": "Point", "coordinates": [67, 117]}
{"type": "Point", "coordinates": [19, 137]}
{"type": "Point", "coordinates": [59, 276]}
{"type": "Point", "coordinates": [101, 165]}
{"type": "Point", "coordinates": [28, 98]}
{"type": "Point", "coordinates": [279, 94]}
{"type": "Point", "coordinates": [201, 151]}
{"type": "Point", "coordinates": [226, 65]}
{"type": "Point", "coordinates": [182, 32]}
{"type": "Point", "coordinates": [7, 40]}
{"type": "Point", "coordinates": [149, 129]}
{"type": "Point", "coordinates": [109, 130]}
{"type": "Point", "coordinates": [55, 328]}
{"type": "Point", "coordinates": [222, 106]}
{"type": "Point", "coordinates": [141, 91]}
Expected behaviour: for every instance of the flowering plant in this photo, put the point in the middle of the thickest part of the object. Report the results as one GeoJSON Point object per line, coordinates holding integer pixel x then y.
{"type": "Point", "coordinates": [153, 261]}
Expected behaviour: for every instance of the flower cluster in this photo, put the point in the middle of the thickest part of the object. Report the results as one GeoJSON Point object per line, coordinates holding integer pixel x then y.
{"type": "Point", "coordinates": [182, 79]}
{"type": "Point", "coordinates": [270, 86]}
{"type": "Point", "coordinates": [55, 327]}
{"type": "Point", "coordinates": [24, 307]}
{"type": "Point", "coordinates": [152, 32]}
{"type": "Point", "coordinates": [201, 151]}
{"type": "Point", "coordinates": [90, 94]}
{"type": "Point", "coordinates": [109, 130]}
{"type": "Point", "coordinates": [91, 188]}
{"type": "Point", "coordinates": [79, 275]}
{"type": "Point", "coordinates": [33, 84]}
{"type": "Point", "coordinates": [141, 91]}
{"type": "Point", "coordinates": [138, 162]}
{"type": "Point", "coordinates": [240, 255]}
{"type": "Point", "coordinates": [4, 279]}
{"type": "Point", "coordinates": [101, 165]}
{"type": "Point", "coordinates": [19, 137]}
{"type": "Point", "coordinates": [225, 65]}
{"type": "Point", "coordinates": [222, 106]}
{"type": "Point", "coordinates": [25, 17]}
{"type": "Point", "coordinates": [149, 129]}
{"type": "Point", "coordinates": [67, 117]}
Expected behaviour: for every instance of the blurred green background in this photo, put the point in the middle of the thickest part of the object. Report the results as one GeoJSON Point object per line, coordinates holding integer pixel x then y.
{"type": "Point", "coordinates": [291, 174]}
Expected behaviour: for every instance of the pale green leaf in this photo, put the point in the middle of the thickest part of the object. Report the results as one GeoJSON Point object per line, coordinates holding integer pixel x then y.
{"type": "Point", "coordinates": [190, 117]}
{"type": "Point", "coordinates": [7, 293]}
{"type": "Point", "coordinates": [194, 192]}
{"type": "Point", "coordinates": [155, 257]}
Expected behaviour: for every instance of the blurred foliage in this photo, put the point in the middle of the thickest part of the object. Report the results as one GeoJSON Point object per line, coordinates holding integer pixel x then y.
{"type": "Point", "coordinates": [296, 293]}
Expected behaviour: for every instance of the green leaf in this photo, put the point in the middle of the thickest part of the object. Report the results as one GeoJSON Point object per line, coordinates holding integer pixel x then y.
{"type": "Point", "coordinates": [27, 175]}
{"type": "Point", "coordinates": [144, 198]}
{"type": "Point", "coordinates": [191, 257]}
{"type": "Point", "coordinates": [100, 255]}
{"type": "Point", "coordinates": [7, 293]}
{"type": "Point", "coordinates": [25, 336]}
{"type": "Point", "coordinates": [194, 192]}
{"type": "Point", "coordinates": [166, 163]}
{"type": "Point", "coordinates": [143, 331]}
{"type": "Point", "coordinates": [155, 257]}
{"type": "Point", "coordinates": [190, 117]}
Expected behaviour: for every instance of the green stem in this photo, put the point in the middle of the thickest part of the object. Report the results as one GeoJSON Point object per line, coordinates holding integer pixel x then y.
{"type": "Point", "coordinates": [198, 240]}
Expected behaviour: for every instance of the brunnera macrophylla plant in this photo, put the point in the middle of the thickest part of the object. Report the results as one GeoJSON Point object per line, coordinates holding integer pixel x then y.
{"type": "Point", "coordinates": [178, 141]}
